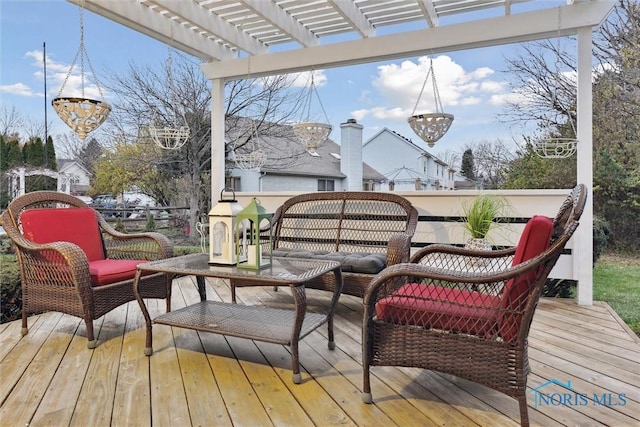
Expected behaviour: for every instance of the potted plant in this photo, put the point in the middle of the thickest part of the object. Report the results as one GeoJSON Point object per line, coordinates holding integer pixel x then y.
{"type": "Point", "coordinates": [479, 218]}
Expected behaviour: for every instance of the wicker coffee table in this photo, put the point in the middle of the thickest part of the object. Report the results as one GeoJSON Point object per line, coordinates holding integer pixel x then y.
{"type": "Point", "coordinates": [279, 326]}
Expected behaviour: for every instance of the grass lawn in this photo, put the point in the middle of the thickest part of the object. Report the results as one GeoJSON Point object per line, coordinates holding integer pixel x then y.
{"type": "Point", "coordinates": [616, 281]}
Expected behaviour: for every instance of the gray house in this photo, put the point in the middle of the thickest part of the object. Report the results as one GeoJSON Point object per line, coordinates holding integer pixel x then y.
{"type": "Point", "coordinates": [290, 167]}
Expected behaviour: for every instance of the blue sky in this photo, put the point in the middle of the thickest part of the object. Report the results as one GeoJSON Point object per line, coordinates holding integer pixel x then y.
{"type": "Point", "coordinates": [472, 84]}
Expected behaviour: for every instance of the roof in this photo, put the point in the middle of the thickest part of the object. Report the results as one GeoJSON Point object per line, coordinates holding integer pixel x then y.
{"type": "Point", "coordinates": [238, 37]}
{"type": "Point", "coordinates": [287, 156]}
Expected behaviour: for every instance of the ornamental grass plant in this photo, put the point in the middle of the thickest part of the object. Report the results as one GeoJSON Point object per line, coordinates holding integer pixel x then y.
{"type": "Point", "coordinates": [480, 215]}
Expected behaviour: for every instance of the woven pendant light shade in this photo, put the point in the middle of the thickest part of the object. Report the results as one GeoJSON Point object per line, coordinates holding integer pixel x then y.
{"type": "Point", "coordinates": [312, 134]}
{"type": "Point", "coordinates": [169, 138]}
{"type": "Point", "coordinates": [82, 115]}
{"type": "Point", "coordinates": [251, 161]}
{"type": "Point", "coordinates": [556, 148]}
{"type": "Point", "coordinates": [431, 126]}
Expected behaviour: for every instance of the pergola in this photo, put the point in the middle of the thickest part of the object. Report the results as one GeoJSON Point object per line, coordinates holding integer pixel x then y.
{"type": "Point", "coordinates": [235, 38]}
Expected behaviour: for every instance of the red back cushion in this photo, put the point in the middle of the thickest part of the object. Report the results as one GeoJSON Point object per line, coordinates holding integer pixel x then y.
{"type": "Point", "coordinates": [75, 225]}
{"type": "Point", "coordinates": [534, 240]}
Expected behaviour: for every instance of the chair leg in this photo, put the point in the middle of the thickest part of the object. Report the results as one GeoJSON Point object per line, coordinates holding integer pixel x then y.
{"type": "Point", "coordinates": [25, 330]}
{"type": "Point", "coordinates": [366, 385]}
{"type": "Point", "coordinates": [524, 412]}
{"type": "Point", "coordinates": [92, 343]}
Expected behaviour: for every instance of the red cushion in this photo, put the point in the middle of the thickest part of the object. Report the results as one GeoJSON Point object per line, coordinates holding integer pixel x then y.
{"type": "Point", "coordinates": [75, 225]}
{"type": "Point", "coordinates": [534, 240]}
{"type": "Point", "coordinates": [106, 271]}
{"type": "Point", "coordinates": [437, 307]}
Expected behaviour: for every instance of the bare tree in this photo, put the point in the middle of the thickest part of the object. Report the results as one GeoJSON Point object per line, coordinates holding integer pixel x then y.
{"type": "Point", "coordinates": [144, 95]}
{"type": "Point", "coordinates": [11, 121]}
{"type": "Point", "coordinates": [490, 159]}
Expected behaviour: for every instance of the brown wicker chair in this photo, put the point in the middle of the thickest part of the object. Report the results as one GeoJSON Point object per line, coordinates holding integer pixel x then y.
{"type": "Point", "coordinates": [61, 276]}
{"type": "Point", "coordinates": [464, 312]}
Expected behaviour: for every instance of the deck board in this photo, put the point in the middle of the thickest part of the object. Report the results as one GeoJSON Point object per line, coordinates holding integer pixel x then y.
{"type": "Point", "coordinates": [50, 378]}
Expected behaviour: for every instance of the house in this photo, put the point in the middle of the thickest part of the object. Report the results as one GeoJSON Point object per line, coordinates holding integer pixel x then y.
{"type": "Point", "coordinates": [73, 178]}
{"type": "Point", "coordinates": [411, 167]}
{"type": "Point", "coordinates": [287, 165]}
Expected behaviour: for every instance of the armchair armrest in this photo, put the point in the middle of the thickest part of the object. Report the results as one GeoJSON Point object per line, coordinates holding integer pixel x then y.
{"type": "Point", "coordinates": [398, 248]}
{"type": "Point", "coordinates": [56, 263]}
{"type": "Point", "coordinates": [148, 246]}
{"type": "Point", "coordinates": [456, 258]}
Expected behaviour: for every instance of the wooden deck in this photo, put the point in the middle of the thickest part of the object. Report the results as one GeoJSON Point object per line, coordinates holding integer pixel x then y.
{"type": "Point", "coordinates": [50, 378]}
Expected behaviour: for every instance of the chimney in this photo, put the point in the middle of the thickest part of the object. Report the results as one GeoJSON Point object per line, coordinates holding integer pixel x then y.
{"type": "Point", "coordinates": [351, 154]}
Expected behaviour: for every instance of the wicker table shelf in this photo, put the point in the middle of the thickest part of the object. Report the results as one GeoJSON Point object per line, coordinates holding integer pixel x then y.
{"type": "Point", "coordinates": [280, 326]}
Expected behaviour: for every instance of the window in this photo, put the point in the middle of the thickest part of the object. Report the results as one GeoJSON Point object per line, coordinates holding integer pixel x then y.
{"type": "Point", "coordinates": [326, 185]}
{"type": "Point", "coordinates": [232, 182]}
{"type": "Point", "coordinates": [368, 185]}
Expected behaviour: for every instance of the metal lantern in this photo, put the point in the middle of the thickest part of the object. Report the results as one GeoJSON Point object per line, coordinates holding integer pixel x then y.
{"type": "Point", "coordinates": [222, 223]}
{"type": "Point", "coordinates": [251, 220]}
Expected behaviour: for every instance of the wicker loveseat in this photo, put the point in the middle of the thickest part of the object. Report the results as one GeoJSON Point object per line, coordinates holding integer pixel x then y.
{"type": "Point", "coordinates": [465, 312]}
{"type": "Point", "coordinates": [73, 262]}
{"type": "Point", "coordinates": [366, 231]}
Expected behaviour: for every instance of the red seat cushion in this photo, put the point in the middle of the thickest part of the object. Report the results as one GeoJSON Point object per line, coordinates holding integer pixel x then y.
{"type": "Point", "coordinates": [534, 240]}
{"type": "Point", "coordinates": [437, 307]}
{"type": "Point", "coordinates": [75, 225]}
{"type": "Point", "coordinates": [106, 271]}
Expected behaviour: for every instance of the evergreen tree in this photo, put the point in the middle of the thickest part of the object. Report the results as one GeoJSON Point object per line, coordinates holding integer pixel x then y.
{"type": "Point", "coordinates": [14, 154]}
{"type": "Point", "coordinates": [50, 158]}
{"type": "Point", "coordinates": [4, 151]}
{"type": "Point", "coordinates": [33, 152]}
{"type": "Point", "coordinates": [467, 168]}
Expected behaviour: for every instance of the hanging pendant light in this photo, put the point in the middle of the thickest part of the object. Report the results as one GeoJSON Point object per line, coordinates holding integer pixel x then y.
{"type": "Point", "coordinates": [312, 134]}
{"type": "Point", "coordinates": [173, 131]}
{"type": "Point", "coordinates": [430, 127]}
{"type": "Point", "coordinates": [81, 114]}
{"type": "Point", "coordinates": [248, 154]}
{"type": "Point", "coordinates": [552, 147]}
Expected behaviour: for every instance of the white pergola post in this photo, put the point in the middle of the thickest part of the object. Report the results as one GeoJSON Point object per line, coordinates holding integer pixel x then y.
{"type": "Point", "coordinates": [217, 138]}
{"type": "Point", "coordinates": [583, 237]}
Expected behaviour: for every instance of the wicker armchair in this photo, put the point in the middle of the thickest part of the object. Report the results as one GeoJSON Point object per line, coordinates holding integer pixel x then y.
{"type": "Point", "coordinates": [73, 262]}
{"type": "Point", "coordinates": [464, 312]}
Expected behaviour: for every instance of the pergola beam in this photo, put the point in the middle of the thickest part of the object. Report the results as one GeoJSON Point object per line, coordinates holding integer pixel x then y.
{"type": "Point", "coordinates": [224, 30]}
{"type": "Point", "coordinates": [468, 35]}
{"type": "Point", "coordinates": [146, 21]}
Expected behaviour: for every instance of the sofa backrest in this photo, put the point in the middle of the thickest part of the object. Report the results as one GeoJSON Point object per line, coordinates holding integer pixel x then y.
{"type": "Point", "coordinates": [348, 221]}
{"type": "Point", "coordinates": [75, 225]}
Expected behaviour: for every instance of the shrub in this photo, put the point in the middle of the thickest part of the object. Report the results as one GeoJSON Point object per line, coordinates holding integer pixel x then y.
{"type": "Point", "coordinates": [10, 289]}
{"type": "Point", "coordinates": [601, 235]}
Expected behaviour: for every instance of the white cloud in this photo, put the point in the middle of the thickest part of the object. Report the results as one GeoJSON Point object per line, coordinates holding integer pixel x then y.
{"type": "Point", "coordinates": [517, 98]}
{"type": "Point", "coordinates": [303, 79]}
{"type": "Point", "coordinates": [470, 100]}
{"type": "Point", "coordinates": [19, 89]}
{"type": "Point", "coordinates": [491, 86]}
{"type": "Point", "coordinates": [359, 114]}
{"type": "Point", "coordinates": [399, 85]}
{"type": "Point", "coordinates": [57, 75]}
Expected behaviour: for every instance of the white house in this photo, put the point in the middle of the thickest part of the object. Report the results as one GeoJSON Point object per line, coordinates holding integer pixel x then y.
{"type": "Point", "coordinates": [73, 178]}
{"type": "Point", "coordinates": [410, 167]}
